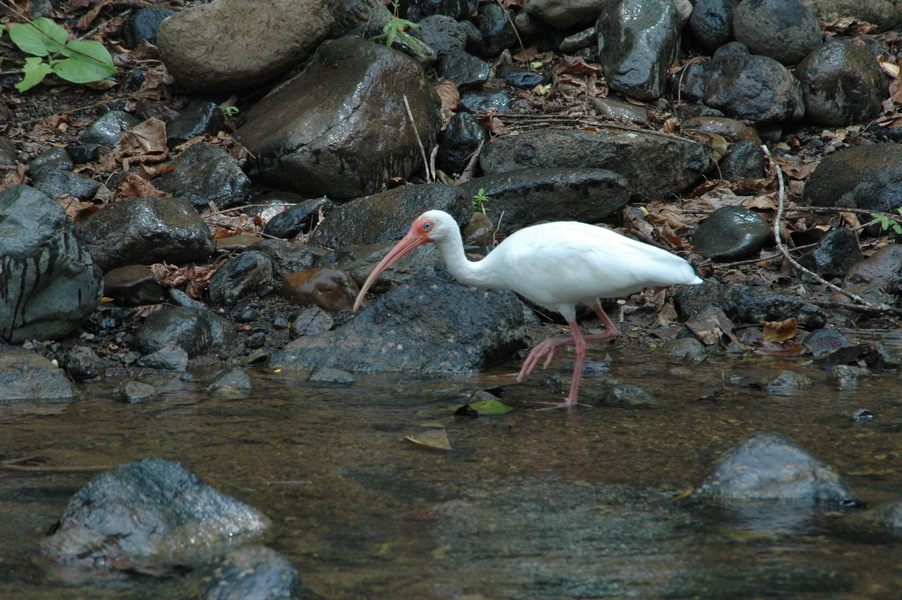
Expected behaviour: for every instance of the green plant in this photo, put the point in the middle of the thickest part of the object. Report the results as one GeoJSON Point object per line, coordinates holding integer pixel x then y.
{"type": "Point", "coordinates": [229, 110]}
{"type": "Point", "coordinates": [78, 61]}
{"type": "Point", "coordinates": [888, 222]}
{"type": "Point", "coordinates": [397, 26]}
{"type": "Point", "coordinates": [479, 200]}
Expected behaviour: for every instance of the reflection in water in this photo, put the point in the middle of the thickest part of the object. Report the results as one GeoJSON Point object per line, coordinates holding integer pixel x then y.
{"type": "Point", "coordinates": [528, 504]}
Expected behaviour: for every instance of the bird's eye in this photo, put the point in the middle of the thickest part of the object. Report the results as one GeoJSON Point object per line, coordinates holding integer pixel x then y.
{"type": "Point", "coordinates": [427, 226]}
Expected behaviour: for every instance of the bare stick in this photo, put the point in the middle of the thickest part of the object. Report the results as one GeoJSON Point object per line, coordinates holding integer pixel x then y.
{"type": "Point", "coordinates": [430, 176]}
{"type": "Point", "coordinates": [471, 166]}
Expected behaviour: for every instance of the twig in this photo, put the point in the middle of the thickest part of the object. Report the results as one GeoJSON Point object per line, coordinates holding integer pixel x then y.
{"type": "Point", "coordinates": [471, 166]}
{"type": "Point", "coordinates": [778, 220]}
{"type": "Point", "coordinates": [514, 27]}
{"type": "Point", "coordinates": [430, 176]}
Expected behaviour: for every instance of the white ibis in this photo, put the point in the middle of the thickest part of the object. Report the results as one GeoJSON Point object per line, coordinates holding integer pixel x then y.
{"type": "Point", "coordinates": [556, 265]}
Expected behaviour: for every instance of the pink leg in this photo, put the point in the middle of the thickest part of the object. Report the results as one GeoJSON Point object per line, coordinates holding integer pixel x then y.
{"type": "Point", "coordinates": [579, 342]}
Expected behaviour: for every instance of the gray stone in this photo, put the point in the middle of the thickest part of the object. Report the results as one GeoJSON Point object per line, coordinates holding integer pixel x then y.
{"type": "Point", "coordinates": [867, 177]}
{"type": "Point", "coordinates": [834, 255]}
{"type": "Point", "coordinates": [711, 23]}
{"type": "Point", "coordinates": [240, 276]}
{"type": "Point", "coordinates": [26, 376]}
{"type": "Point", "coordinates": [206, 173]}
{"type": "Point", "coordinates": [731, 233]}
{"type": "Point", "coordinates": [253, 573]}
{"type": "Point", "coordinates": [107, 129]}
{"type": "Point", "coordinates": [564, 15]}
{"type": "Point", "coordinates": [196, 331]}
{"type": "Point", "coordinates": [784, 30]}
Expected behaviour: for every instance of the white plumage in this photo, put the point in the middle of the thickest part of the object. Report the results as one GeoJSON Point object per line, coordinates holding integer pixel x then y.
{"type": "Point", "coordinates": [556, 265]}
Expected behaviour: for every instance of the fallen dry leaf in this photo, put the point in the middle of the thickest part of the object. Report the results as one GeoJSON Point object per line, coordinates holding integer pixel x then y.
{"type": "Point", "coordinates": [434, 438]}
{"type": "Point", "coordinates": [779, 331]}
{"type": "Point", "coordinates": [448, 93]}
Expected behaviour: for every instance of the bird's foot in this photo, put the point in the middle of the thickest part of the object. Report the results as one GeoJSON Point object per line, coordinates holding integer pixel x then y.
{"type": "Point", "coordinates": [542, 348]}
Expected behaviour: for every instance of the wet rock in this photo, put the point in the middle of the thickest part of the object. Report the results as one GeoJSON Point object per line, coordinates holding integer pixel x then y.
{"type": "Point", "coordinates": [27, 376]}
{"type": "Point", "coordinates": [231, 382]}
{"type": "Point", "coordinates": [145, 231]}
{"type": "Point", "coordinates": [153, 509]}
{"type": "Point", "coordinates": [744, 160]}
{"type": "Point", "coordinates": [329, 289]}
{"type": "Point", "coordinates": [56, 183]}
{"type": "Point", "coordinates": [458, 142]}
{"type": "Point", "coordinates": [627, 396]}
{"type": "Point", "coordinates": [432, 325]}
{"type": "Point", "coordinates": [197, 331]}
{"type": "Point", "coordinates": [881, 523]}
{"type": "Point", "coordinates": [480, 231]}
{"type": "Point", "coordinates": [49, 283]}
{"type": "Point", "coordinates": [788, 382]}
{"type": "Point", "coordinates": [878, 277]}
{"type": "Point", "coordinates": [824, 341]}
{"type": "Point", "coordinates": [107, 129]}
{"type": "Point", "coordinates": [731, 233]}
{"type": "Point", "coordinates": [769, 466]}
{"type": "Point", "coordinates": [441, 33]}
{"type": "Point", "coordinates": [711, 23]}
{"type": "Point", "coordinates": [51, 159]}
{"type": "Point", "coordinates": [484, 100]}
{"type": "Point", "coordinates": [329, 375]}
{"type": "Point", "coordinates": [612, 108]}
{"type": "Point", "coordinates": [530, 196]}
{"type": "Point", "coordinates": [133, 285]}
{"type": "Point", "coordinates": [143, 25]}
{"type": "Point", "coordinates": [312, 321]}
{"type": "Point", "coordinates": [239, 277]}
{"type": "Point", "coordinates": [134, 392]}
{"type": "Point", "coordinates": [587, 38]}
{"type": "Point", "coordinates": [564, 15]}
{"type": "Point", "coordinates": [867, 177]}
{"type": "Point", "coordinates": [869, 11]}
{"type": "Point", "coordinates": [200, 117]}
{"type": "Point", "coordinates": [676, 163]}
{"type": "Point", "coordinates": [745, 304]}
{"type": "Point", "coordinates": [216, 47]}
{"type": "Point", "coordinates": [306, 139]}
{"type": "Point", "coordinates": [745, 86]}
{"type": "Point", "coordinates": [846, 376]}
{"type": "Point", "coordinates": [8, 154]}
{"type": "Point", "coordinates": [82, 364]}
{"type": "Point", "coordinates": [417, 10]}
{"type": "Point", "coordinates": [731, 129]}
{"type": "Point", "coordinates": [842, 84]}
{"type": "Point", "coordinates": [287, 257]}
{"type": "Point", "coordinates": [875, 356]}
{"type": "Point", "coordinates": [387, 216]}
{"type": "Point", "coordinates": [497, 32]}
{"type": "Point", "coordinates": [253, 573]}
{"type": "Point", "coordinates": [359, 261]}
{"type": "Point", "coordinates": [465, 70]}
{"type": "Point", "coordinates": [167, 358]}
{"type": "Point", "coordinates": [206, 173]}
{"type": "Point", "coordinates": [687, 349]}
{"type": "Point", "coordinates": [638, 41]}
{"type": "Point", "coordinates": [298, 219]}
{"type": "Point", "coordinates": [361, 18]}
{"type": "Point", "coordinates": [784, 30]}
{"type": "Point", "coordinates": [834, 255]}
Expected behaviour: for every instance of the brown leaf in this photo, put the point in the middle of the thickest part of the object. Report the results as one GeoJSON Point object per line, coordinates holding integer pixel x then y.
{"type": "Point", "coordinates": [779, 331]}
{"type": "Point", "coordinates": [135, 186]}
{"type": "Point", "coordinates": [448, 93]}
{"type": "Point", "coordinates": [14, 177]}
{"type": "Point", "coordinates": [575, 64]}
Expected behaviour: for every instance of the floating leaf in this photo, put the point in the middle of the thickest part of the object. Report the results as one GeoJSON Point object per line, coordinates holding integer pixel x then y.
{"type": "Point", "coordinates": [490, 407]}
{"type": "Point", "coordinates": [435, 438]}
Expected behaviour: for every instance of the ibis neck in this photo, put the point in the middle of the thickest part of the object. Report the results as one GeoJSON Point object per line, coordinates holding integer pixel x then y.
{"type": "Point", "coordinates": [466, 272]}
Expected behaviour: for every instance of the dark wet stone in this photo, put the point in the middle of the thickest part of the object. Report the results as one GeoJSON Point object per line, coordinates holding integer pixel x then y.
{"type": "Point", "coordinates": [197, 331]}
{"type": "Point", "coordinates": [231, 380]}
{"type": "Point", "coordinates": [84, 153]}
{"type": "Point", "coordinates": [180, 298]}
{"type": "Point", "coordinates": [744, 86]}
{"type": "Point", "coordinates": [745, 304]}
{"type": "Point", "coordinates": [145, 231]}
{"type": "Point", "coordinates": [530, 196]}
{"type": "Point", "coordinates": [867, 177]}
{"type": "Point", "coordinates": [387, 216]}
{"type": "Point", "coordinates": [8, 154]}
{"type": "Point", "coordinates": [480, 231]}
{"type": "Point", "coordinates": [107, 129]}
{"type": "Point", "coordinates": [688, 349]}
{"type": "Point", "coordinates": [51, 159]}
{"type": "Point", "coordinates": [253, 573]}
{"type": "Point", "coordinates": [312, 321]}
{"type": "Point", "coordinates": [49, 283]}
{"type": "Point", "coordinates": [330, 375]}
{"type": "Point", "coordinates": [618, 110]}
{"type": "Point", "coordinates": [417, 10]}
{"type": "Point", "coordinates": [825, 341]}
{"type": "Point", "coordinates": [305, 138]}
{"type": "Point", "coordinates": [484, 100]}
{"type": "Point", "coordinates": [523, 79]}
{"type": "Point", "coordinates": [270, 203]}
{"type": "Point", "coordinates": [676, 163]}
{"type": "Point", "coordinates": [638, 41]}
{"type": "Point", "coordinates": [882, 523]}
{"type": "Point", "coordinates": [846, 376]}
{"type": "Point", "coordinates": [433, 325]}
{"type": "Point", "coordinates": [580, 40]}
{"type": "Point", "coordinates": [744, 160]}
{"type": "Point", "coordinates": [834, 255]}
{"type": "Point", "coordinates": [842, 84]}
{"type": "Point", "coordinates": [82, 364]}
{"type": "Point", "coordinates": [731, 129]}
{"type": "Point", "coordinates": [199, 118]}
{"type": "Point", "coordinates": [288, 257]}
{"type": "Point", "coordinates": [142, 25]}
{"type": "Point", "coordinates": [58, 183]}
{"type": "Point", "coordinates": [167, 358]}
{"type": "Point", "coordinates": [247, 315]}
{"type": "Point", "coordinates": [627, 396]}
{"type": "Point", "coordinates": [711, 23]}
{"type": "Point", "coordinates": [152, 509]}
{"type": "Point", "coordinates": [239, 277]}
{"type": "Point", "coordinates": [731, 233]}
{"type": "Point", "coordinates": [465, 70]}
{"type": "Point", "coordinates": [133, 285]}
{"type": "Point", "coordinates": [134, 392]}
{"type": "Point", "coordinates": [361, 18]}
{"type": "Point", "coordinates": [329, 289]}
{"type": "Point", "coordinates": [414, 48]}
{"type": "Point", "coordinates": [878, 277]}
{"type": "Point", "coordinates": [495, 28]}
{"type": "Point", "coordinates": [769, 466]}
{"type": "Point", "coordinates": [28, 376]}
{"type": "Point", "coordinates": [206, 173]}
{"type": "Point", "coordinates": [457, 143]}
{"type": "Point", "coordinates": [298, 219]}
{"type": "Point", "coordinates": [359, 261]}
{"type": "Point", "coordinates": [256, 340]}
{"type": "Point", "coordinates": [788, 382]}
{"type": "Point", "coordinates": [784, 30]}
{"type": "Point", "coordinates": [441, 33]}
{"type": "Point", "coordinates": [564, 15]}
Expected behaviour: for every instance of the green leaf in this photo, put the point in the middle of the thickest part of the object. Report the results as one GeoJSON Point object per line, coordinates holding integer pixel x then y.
{"type": "Point", "coordinates": [29, 40]}
{"type": "Point", "coordinates": [35, 70]}
{"type": "Point", "coordinates": [93, 64]}
{"type": "Point", "coordinates": [490, 407]}
{"type": "Point", "coordinates": [58, 35]}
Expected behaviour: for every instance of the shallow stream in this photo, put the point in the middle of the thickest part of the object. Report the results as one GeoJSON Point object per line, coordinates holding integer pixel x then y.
{"type": "Point", "coordinates": [527, 504]}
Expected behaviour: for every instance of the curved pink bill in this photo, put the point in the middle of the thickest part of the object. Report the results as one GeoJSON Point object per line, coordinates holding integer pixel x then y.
{"type": "Point", "coordinates": [413, 239]}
